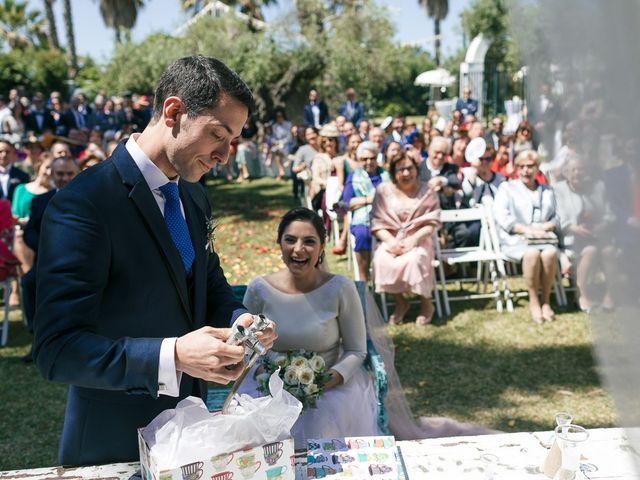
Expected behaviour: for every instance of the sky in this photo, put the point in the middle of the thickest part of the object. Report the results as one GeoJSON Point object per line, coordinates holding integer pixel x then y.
{"type": "Point", "coordinates": [94, 39]}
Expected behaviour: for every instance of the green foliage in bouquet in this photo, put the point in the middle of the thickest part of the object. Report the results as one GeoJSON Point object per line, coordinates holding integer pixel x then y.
{"type": "Point", "coordinates": [304, 375]}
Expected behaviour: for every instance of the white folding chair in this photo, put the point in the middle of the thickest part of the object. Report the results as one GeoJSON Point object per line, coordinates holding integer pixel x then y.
{"type": "Point", "coordinates": [512, 267]}
{"type": "Point", "coordinates": [434, 265]}
{"type": "Point", "coordinates": [482, 255]}
{"type": "Point", "coordinates": [332, 196]}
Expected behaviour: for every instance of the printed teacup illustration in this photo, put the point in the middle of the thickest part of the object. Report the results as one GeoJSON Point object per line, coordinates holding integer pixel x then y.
{"type": "Point", "coordinates": [221, 461]}
{"type": "Point", "coordinates": [248, 464]}
{"type": "Point", "coordinates": [276, 473]}
{"type": "Point", "coordinates": [222, 476]}
{"type": "Point", "coordinates": [272, 452]}
{"type": "Point", "coordinates": [192, 471]}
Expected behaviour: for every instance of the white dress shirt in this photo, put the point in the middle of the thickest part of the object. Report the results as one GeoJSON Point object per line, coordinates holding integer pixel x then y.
{"type": "Point", "coordinates": [168, 377]}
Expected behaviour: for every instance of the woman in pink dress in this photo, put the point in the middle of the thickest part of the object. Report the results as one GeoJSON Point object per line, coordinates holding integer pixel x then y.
{"type": "Point", "coordinates": [405, 214]}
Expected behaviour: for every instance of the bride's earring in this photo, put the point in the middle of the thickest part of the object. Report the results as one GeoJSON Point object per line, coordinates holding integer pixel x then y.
{"type": "Point", "coordinates": [320, 259]}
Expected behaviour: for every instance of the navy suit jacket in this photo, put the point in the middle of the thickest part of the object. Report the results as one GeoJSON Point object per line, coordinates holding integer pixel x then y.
{"type": "Point", "coordinates": [356, 115]}
{"type": "Point", "coordinates": [31, 122]}
{"type": "Point", "coordinates": [307, 114]}
{"type": "Point", "coordinates": [111, 286]}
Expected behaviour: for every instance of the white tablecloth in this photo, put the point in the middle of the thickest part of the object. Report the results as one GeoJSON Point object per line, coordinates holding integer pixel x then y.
{"type": "Point", "coordinates": [606, 454]}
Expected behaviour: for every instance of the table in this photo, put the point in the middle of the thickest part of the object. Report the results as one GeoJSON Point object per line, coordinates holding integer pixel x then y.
{"type": "Point", "coordinates": [607, 453]}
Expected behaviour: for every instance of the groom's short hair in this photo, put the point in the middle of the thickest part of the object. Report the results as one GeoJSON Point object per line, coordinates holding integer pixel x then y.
{"type": "Point", "coordinates": [200, 82]}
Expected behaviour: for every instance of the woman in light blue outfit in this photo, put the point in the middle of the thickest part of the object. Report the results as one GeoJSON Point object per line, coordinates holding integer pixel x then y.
{"type": "Point", "coordinates": [525, 213]}
{"type": "Point", "coordinates": [358, 193]}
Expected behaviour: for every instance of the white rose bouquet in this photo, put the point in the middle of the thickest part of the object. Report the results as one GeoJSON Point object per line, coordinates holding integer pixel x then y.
{"type": "Point", "coordinates": [304, 375]}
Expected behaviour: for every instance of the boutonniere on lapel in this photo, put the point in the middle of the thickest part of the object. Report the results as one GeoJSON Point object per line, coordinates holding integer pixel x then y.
{"type": "Point", "coordinates": [14, 181]}
{"type": "Point", "coordinates": [211, 234]}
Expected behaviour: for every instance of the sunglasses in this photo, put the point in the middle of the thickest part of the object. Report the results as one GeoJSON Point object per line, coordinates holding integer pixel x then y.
{"type": "Point", "coordinates": [486, 159]}
{"type": "Point", "coordinates": [364, 159]}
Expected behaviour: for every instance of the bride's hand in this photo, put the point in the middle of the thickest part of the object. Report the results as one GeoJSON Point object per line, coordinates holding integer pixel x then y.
{"type": "Point", "coordinates": [336, 379]}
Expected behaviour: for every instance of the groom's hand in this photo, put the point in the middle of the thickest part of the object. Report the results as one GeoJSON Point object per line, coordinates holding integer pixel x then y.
{"type": "Point", "coordinates": [266, 336]}
{"type": "Point", "coordinates": [204, 354]}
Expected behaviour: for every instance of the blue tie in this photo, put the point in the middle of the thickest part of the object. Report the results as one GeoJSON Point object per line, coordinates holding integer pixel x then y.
{"type": "Point", "coordinates": [177, 224]}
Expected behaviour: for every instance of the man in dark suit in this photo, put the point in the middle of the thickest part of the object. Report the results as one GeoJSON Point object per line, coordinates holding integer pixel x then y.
{"type": "Point", "coordinates": [352, 110]}
{"type": "Point", "coordinates": [63, 170]}
{"type": "Point", "coordinates": [78, 114]}
{"type": "Point", "coordinates": [10, 175]}
{"type": "Point", "coordinates": [38, 119]}
{"type": "Point", "coordinates": [316, 112]}
{"type": "Point", "coordinates": [467, 105]}
{"type": "Point", "coordinates": [129, 288]}
{"type": "Point", "coordinates": [493, 136]}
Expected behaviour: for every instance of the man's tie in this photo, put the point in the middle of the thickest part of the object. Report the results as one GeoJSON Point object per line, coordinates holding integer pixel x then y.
{"type": "Point", "coordinates": [177, 224]}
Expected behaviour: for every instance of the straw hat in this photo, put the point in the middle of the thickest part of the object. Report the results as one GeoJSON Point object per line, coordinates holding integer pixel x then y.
{"type": "Point", "coordinates": [329, 130]}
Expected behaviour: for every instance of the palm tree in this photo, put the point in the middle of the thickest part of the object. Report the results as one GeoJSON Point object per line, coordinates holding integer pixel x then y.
{"type": "Point", "coordinates": [20, 28]}
{"type": "Point", "coordinates": [71, 39]}
{"type": "Point", "coordinates": [121, 15]}
{"type": "Point", "coordinates": [52, 29]}
{"type": "Point", "coordinates": [438, 10]}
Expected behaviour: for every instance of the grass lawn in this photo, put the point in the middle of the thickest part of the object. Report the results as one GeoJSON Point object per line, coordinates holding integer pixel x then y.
{"type": "Point", "coordinates": [499, 370]}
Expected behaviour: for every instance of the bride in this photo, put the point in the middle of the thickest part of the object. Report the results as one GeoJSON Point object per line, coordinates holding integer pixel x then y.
{"type": "Point", "coordinates": [322, 313]}
{"type": "Point", "coordinates": [318, 312]}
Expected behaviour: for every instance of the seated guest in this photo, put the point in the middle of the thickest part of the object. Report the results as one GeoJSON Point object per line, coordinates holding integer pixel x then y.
{"type": "Point", "coordinates": [21, 207]}
{"type": "Point", "coordinates": [392, 150]}
{"type": "Point", "coordinates": [525, 213]}
{"type": "Point", "coordinates": [324, 165]}
{"type": "Point", "coordinates": [457, 152]}
{"type": "Point", "coordinates": [318, 312]}
{"type": "Point", "coordinates": [523, 138]}
{"type": "Point", "coordinates": [457, 234]}
{"type": "Point", "coordinates": [358, 194]}
{"type": "Point", "coordinates": [349, 164]}
{"type": "Point", "coordinates": [10, 175]}
{"type": "Point", "coordinates": [435, 169]}
{"type": "Point", "coordinates": [405, 214]}
{"type": "Point", "coordinates": [585, 217]}
{"type": "Point", "coordinates": [479, 181]}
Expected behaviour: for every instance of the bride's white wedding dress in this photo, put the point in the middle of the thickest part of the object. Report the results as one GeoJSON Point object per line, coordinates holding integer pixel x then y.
{"type": "Point", "coordinates": [328, 320]}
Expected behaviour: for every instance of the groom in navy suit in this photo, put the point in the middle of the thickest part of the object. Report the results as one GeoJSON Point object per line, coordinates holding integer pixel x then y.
{"type": "Point", "coordinates": [132, 307]}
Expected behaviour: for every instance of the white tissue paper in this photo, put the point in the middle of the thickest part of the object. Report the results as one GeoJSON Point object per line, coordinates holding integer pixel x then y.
{"type": "Point", "coordinates": [190, 432]}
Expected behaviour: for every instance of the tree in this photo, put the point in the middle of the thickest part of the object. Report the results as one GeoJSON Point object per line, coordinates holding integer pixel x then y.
{"type": "Point", "coordinates": [71, 39]}
{"type": "Point", "coordinates": [19, 28]}
{"type": "Point", "coordinates": [37, 69]}
{"type": "Point", "coordinates": [121, 15]}
{"type": "Point", "coordinates": [52, 29]}
{"type": "Point", "coordinates": [438, 10]}
{"type": "Point", "coordinates": [280, 63]}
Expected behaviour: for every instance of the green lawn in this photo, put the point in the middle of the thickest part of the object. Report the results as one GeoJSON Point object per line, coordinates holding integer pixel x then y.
{"type": "Point", "coordinates": [499, 370]}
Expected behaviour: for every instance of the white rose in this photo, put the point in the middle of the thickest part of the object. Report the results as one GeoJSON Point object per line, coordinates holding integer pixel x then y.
{"type": "Point", "coordinates": [310, 389]}
{"type": "Point", "coordinates": [280, 360]}
{"type": "Point", "coordinates": [291, 376]}
{"type": "Point", "coordinates": [299, 362]}
{"type": "Point", "coordinates": [317, 363]}
{"type": "Point", "coordinates": [305, 375]}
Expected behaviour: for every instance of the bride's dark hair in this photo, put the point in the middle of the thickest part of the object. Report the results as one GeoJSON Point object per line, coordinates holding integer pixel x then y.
{"type": "Point", "coordinates": [304, 215]}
